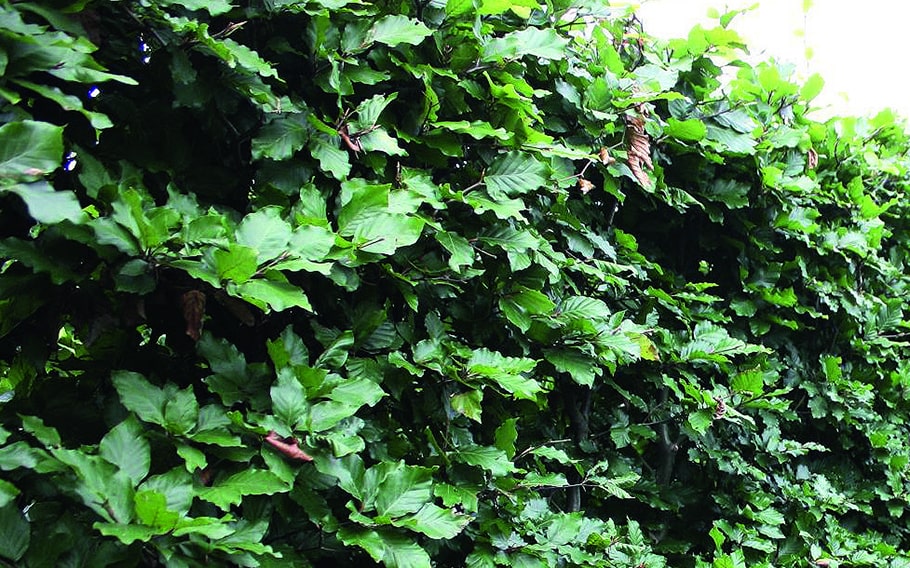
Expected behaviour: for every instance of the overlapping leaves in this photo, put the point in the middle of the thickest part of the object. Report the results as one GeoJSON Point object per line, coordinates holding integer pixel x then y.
{"type": "Point", "coordinates": [461, 283]}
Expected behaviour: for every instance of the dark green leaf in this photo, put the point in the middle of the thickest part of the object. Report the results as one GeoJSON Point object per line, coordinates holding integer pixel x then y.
{"type": "Point", "coordinates": [390, 548]}
{"type": "Point", "coordinates": [289, 401]}
{"type": "Point", "coordinates": [46, 205]}
{"type": "Point", "coordinates": [514, 173]}
{"type": "Point", "coordinates": [126, 447]}
{"type": "Point", "coordinates": [281, 138]}
{"type": "Point", "coordinates": [29, 149]}
{"type": "Point", "coordinates": [15, 533]}
{"type": "Point", "coordinates": [180, 411]}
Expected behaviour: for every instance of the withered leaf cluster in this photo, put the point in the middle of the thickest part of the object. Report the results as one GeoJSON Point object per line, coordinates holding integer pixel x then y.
{"type": "Point", "coordinates": [639, 149]}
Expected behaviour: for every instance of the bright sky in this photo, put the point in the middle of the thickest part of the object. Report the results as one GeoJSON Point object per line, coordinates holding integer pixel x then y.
{"type": "Point", "coordinates": [860, 48]}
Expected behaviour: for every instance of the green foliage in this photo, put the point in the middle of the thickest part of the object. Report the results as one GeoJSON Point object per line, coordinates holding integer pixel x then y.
{"type": "Point", "coordinates": [476, 282]}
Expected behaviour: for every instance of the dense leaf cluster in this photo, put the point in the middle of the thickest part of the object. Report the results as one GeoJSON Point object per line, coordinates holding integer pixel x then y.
{"type": "Point", "coordinates": [464, 282]}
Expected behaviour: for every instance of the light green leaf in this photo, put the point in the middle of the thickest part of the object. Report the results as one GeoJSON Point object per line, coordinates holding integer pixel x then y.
{"type": "Point", "coordinates": [312, 242]}
{"type": "Point", "coordinates": [517, 315]}
{"type": "Point", "coordinates": [582, 307]}
{"type": "Point", "coordinates": [514, 173]}
{"type": "Point", "coordinates": [737, 119]}
{"type": "Point", "coordinates": [357, 392]}
{"type": "Point", "coordinates": [455, 8]}
{"type": "Point", "coordinates": [230, 491]}
{"type": "Point", "coordinates": [404, 489]}
{"type": "Point", "coordinates": [45, 434]}
{"type": "Point", "coordinates": [336, 353]}
{"type": "Point", "coordinates": [692, 129]}
{"type": "Point", "coordinates": [20, 454]}
{"type": "Point", "coordinates": [484, 361]}
{"type": "Point", "coordinates": [288, 349]}
{"type": "Point", "coordinates": [8, 493]}
{"type": "Point", "coordinates": [393, 30]}
{"type": "Point", "coordinates": [491, 459]}
{"type": "Point", "coordinates": [177, 487]}
{"type": "Point", "coordinates": [379, 140]}
{"type": "Point", "coordinates": [534, 479]}
{"type": "Point", "coordinates": [68, 102]}
{"type": "Point", "coordinates": [544, 43]}
{"type": "Point", "coordinates": [461, 251]}
{"type": "Point", "coordinates": [510, 239]}
{"type": "Point", "coordinates": [327, 414]}
{"type": "Point", "coordinates": [213, 7]}
{"type": "Point", "coordinates": [729, 140]}
{"type": "Point", "coordinates": [812, 87]}
{"type": "Point", "coordinates": [435, 522]}
{"type": "Point", "coordinates": [368, 111]}
{"type": "Point", "coordinates": [193, 458]}
{"type": "Point", "coordinates": [700, 421]}
{"type": "Point", "coordinates": [265, 232]}
{"type": "Point", "coordinates": [126, 447]}
{"type": "Point", "coordinates": [125, 533]}
{"type": "Point", "coordinates": [554, 454]}
{"type": "Point", "coordinates": [151, 510]}
{"type": "Point", "coordinates": [563, 528]}
{"type": "Point", "coordinates": [29, 149]}
{"type": "Point", "coordinates": [452, 495]}
{"type": "Point", "coordinates": [46, 205]}
{"type": "Point", "coordinates": [476, 129]}
{"type": "Point", "coordinates": [238, 263]}
{"type": "Point", "coordinates": [505, 436]}
{"type": "Point", "coordinates": [360, 200]}
{"type": "Point", "coordinates": [533, 301]}
{"type": "Point", "coordinates": [521, 8]}
{"type": "Point", "coordinates": [209, 527]}
{"type": "Point", "coordinates": [101, 486]}
{"type": "Point", "coordinates": [518, 386]}
{"type": "Point", "coordinates": [278, 295]}
{"type": "Point", "coordinates": [331, 157]}
{"type": "Point", "coordinates": [506, 372]}
{"type": "Point", "coordinates": [392, 549]}
{"type": "Point", "coordinates": [502, 208]}
{"type": "Point", "coordinates": [140, 396]}
{"type": "Point", "coordinates": [238, 54]}
{"type": "Point", "coordinates": [468, 404]}
{"type": "Point", "coordinates": [384, 233]}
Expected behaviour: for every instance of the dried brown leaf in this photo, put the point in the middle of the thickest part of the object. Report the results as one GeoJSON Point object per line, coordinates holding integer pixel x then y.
{"type": "Point", "coordinates": [192, 304]}
{"type": "Point", "coordinates": [290, 447]}
{"type": "Point", "coordinates": [585, 185]}
{"type": "Point", "coordinates": [639, 150]}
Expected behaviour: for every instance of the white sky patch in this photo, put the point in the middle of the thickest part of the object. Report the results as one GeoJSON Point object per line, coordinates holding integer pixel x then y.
{"type": "Point", "coordinates": [860, 49]}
